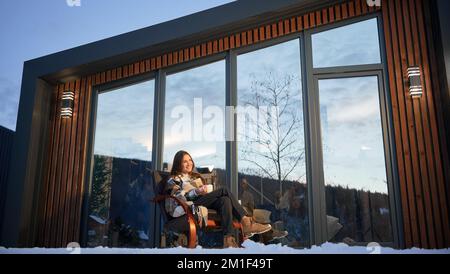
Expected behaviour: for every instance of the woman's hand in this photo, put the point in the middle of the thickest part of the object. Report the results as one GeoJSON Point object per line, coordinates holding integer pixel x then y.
{"type": "Point", "coordinates": [202, 190]}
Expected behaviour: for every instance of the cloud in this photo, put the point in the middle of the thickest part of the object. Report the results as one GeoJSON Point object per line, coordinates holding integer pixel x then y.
{"type": "Point", "coordinates": [122, 148]}
{"type": "Point", "coordinates": [282, 59]}
{"type": "Point", "coordinates": [365, 148]}
{"type": "Point", "coordinates": [206, 82]}
{"type": "Point", "coordinates": [355, 112]}
{"type": "Point", "coordinates": [349, 45]}
{"type": "Point", "coordinates": [352, 101]}
{"type": "Point", "coordinates": [204, 153]}
{"type": "Point", "coordinates": [124, 125]}
{"type": "Point", "coordinates": [9, 103]}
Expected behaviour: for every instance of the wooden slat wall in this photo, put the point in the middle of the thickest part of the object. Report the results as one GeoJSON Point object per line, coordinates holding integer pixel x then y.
{"type": "Point", "coordinates": [60, 211]}
{"type": "Point", "coordinates": [421, 175]}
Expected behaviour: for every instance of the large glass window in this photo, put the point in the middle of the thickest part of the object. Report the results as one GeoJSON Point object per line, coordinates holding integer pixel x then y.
{"type": "Point", "coordinates": [194, 117]}
{"type": "Point", "coordinates": [271, 146]}
{"type": "Point", "coordinates": [355, 44]}
{"type": "Point", "coordinates": [344, 117]}
{"type": "Point", "coordinates": [119, 212]}
{"type": "Point", "coordinates": [354, 165]}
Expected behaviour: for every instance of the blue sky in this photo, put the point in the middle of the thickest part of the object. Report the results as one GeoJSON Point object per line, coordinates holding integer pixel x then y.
{"type": "Point", "coordinates": [30, 29]}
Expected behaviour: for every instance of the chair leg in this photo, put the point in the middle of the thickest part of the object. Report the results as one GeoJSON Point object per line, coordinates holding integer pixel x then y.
{"type": "Point", "coordinates": [191, 241]}
{"type": "Point", "coordinates": [163, 242]}
{"type": "Point", "coordinates": [192, 234]}
{"type": "Point", "coordinates": [241, 235]}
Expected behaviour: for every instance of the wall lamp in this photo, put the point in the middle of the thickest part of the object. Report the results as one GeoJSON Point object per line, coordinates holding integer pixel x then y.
{"type": "Point", "coordinates": [67, 104]}
{"type": "Point", "coordinates": [415, 83]}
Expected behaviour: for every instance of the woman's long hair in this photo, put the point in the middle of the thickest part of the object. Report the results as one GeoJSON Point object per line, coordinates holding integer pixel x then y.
{"type": "Point", "coordinates": [177, 162]}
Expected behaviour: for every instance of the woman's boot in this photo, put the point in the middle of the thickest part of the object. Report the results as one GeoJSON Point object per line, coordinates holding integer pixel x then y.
{"type": "Point", "coordinates": [251, 227]}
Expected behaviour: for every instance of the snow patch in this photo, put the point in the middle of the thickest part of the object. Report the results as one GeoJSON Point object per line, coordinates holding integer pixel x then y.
{"type": "Point", "coordinates": [250, 247]}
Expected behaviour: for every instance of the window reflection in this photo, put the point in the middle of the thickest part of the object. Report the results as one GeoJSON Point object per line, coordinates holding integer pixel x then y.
{"type": "Point", "coordinates": [354, 164]}
{"type": "Point", "coordinates": [355, 44]}
{"type": "Point", "coordinates": [119, 212]}
{"type": "Point", "coordinates": [194, 117]}
{"type": "Point", "coordinates": [271, 157]}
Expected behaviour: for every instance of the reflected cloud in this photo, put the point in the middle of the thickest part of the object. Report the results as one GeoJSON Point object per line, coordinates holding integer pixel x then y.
{"type": "Point", "coordinates": [364, 148]}
{"type": "Point", "coordinates": [123, 148]}
{"type": "Point", "coordinates": [354, 112]}
{"type": "Point", "coordinates": [354, 44]}
{"type": "Point", "coordinates": [124, 125]}
{"type": "Point", "coordinates": [352, 135]}
{"type": "Point", "coordinates": [191, 92]}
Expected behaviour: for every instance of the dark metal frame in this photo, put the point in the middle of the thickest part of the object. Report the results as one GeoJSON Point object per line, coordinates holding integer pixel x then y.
{"type": "Point", "coordinates": [28, 162]}
{"type": "Point", "coordinates": [231, 122]}
{"type": "Point", "coordinates": [382, 101]}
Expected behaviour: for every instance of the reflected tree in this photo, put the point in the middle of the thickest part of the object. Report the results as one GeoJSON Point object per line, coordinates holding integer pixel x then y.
{"type": "Point", "coordinates": [277, 148]}
{"type": "Point", "coordinates": [101, 187]}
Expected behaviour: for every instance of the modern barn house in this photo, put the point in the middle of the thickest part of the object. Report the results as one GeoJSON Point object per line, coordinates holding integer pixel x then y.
{"type": "Point", "coordinates": [343, 137]}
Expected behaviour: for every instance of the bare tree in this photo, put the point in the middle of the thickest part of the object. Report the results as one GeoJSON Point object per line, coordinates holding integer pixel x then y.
{"type": "Point", "coordinates": [277, 148]}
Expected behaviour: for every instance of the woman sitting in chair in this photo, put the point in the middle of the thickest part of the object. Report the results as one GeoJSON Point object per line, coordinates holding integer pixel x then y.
{"type": "Point", "coordinates": [188, 185]}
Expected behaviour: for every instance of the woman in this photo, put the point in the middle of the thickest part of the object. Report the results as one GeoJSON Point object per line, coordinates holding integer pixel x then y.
{"type": "Point", "coordinates": [188, 185]}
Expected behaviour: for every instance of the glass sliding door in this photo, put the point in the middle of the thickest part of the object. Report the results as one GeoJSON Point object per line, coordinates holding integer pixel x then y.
{"type": "Point", "coordinates": [353, 175]}
{"type": "Point", "coordinates": [271, 144]}
{"type": "Point", "coordinates": [119, 211]}
{"type": "Point", "coordinates": [356, 189]}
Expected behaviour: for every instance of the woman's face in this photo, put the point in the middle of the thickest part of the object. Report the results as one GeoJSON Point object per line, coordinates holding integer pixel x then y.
{"type": "Point", "coordinates": [186, 164]}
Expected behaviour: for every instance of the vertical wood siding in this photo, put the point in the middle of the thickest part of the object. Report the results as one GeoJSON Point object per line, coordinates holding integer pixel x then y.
{"type": "Point", "coordinates": [419, 157]}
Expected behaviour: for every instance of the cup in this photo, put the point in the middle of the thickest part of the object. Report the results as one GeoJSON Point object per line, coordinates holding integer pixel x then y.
{"type": "Point", "coordinates": [209, 188]}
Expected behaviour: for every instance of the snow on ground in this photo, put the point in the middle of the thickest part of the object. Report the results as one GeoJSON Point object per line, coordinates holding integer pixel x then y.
{"type": "Point", "coordinates": [250, 247]}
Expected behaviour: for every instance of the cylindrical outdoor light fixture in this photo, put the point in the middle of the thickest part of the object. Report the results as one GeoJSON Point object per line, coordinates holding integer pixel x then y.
{"type": "Point", "coordinates": [415, 83]}
{"type": "Point", "coordinates": [67, 103]}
